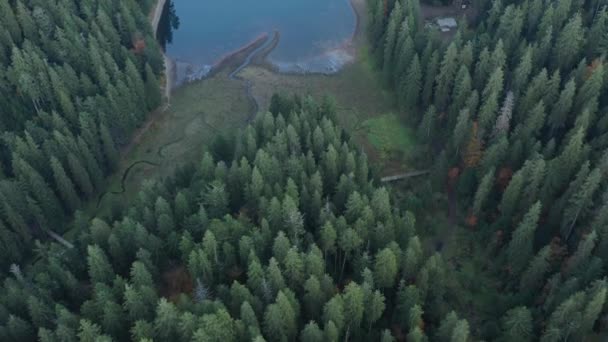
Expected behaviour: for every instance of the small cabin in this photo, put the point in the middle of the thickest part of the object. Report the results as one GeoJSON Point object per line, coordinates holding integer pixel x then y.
{"type": "Point", "coordinates": [446, 24]}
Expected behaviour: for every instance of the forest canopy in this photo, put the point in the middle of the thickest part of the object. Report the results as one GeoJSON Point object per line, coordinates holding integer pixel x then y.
{"type": "Point", "coordinates": [282, 231]}
{"type": "Point", "coordinates": [287, 239]}
{"type": "Point", "coordinates": [511, 109]}
{"type": "Point", "coordinates": [76, 79]}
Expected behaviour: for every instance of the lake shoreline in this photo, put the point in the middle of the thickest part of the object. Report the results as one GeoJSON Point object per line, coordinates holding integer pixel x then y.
{"type": "Point", "coordinates": [169, 64]}
{"type": "Point", "coordinates": [347, 50]}
{"type": "Point", "coordinates": [328, 63]}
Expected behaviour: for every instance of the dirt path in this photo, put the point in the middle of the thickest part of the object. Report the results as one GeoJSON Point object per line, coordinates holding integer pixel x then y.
{"type": "Point", "coordinates": [155, 21]}
{"type": "Point", "coordinates": [156, 14]}
{"type": "Point", "coordinates": [155, 115]}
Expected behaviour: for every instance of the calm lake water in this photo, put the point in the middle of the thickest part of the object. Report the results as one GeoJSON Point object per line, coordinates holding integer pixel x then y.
{"type": "Point", "coordinates": [310, 30]}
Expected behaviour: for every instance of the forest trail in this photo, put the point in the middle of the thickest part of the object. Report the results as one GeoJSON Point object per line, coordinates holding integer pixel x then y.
{"type": "Point", "coordinates": [155, 21]}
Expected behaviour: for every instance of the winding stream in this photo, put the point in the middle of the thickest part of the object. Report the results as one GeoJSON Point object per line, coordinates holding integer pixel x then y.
{"type": "Point", "coordinates": [196, 34]}
{"type": "Point", "coordinates": [124, 179]}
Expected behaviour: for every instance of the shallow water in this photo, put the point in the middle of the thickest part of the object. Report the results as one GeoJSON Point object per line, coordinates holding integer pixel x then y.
{"type": "Point", "coordinates": [311, 31]}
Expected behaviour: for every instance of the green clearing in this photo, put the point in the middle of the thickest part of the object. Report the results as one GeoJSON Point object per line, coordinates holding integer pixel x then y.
{"type": "Point", "coordinates": [389, 135]}
{"type": "Point", "coordinates": [358, 93]}
{"type": "Point", "coordinates": [198, 112]}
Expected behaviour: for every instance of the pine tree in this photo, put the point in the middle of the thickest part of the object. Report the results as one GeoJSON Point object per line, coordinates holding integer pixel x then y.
{"type": "Point", "coordinates": [489, 106]}
{"type": "Point", "coordinates": [461, 93]}
{"type": "Point", "coordinates": [596, 300]}
{"type": "Point", "coordinates": [412, 258]}
{"type": "Point", "coordinates": [294, 269]}
{"type": "Point", "coordinates": [24, 17]}
{"type": "Point", "coordinates": [562, 107]}
{"type": "Point", "coordinates": [80, 175]}
{"type": "Point", "coordinates": [517, 325]}
{"type": "Point", "coordinates": [430, 74]}
{"type": "Point", "coordinates": [426, 127]}
{"type": "Point", "coordinates": [597, 40]}
{"type": "Point", "coordinates": [404, 53]}
{"type": "Point", "coordinates": [353, 307]}
{"type": "Point", "coordinates": [100, 269]}
{"type": "Point", "coordinates": [581, 257]}
{"type": "Point", "coordinates": [579, 202]}
{"type": "Point", "coordinates": [535, 174]}
{"type": "Point", "coordinates": [520, 248]}
{"type": "Point", "coordinates": [561, 168]}
{"type": "Point", "coordinates": [446, 327]}
{"type": "Point", "coordinates": [349, 241]}
{"type": "Point", "coordinates": [374, 307]}
{"type": "Point", "coordinates": [495, 154]}
{"type": "Point", "coordinates": [166, 321]}
{"type": "Point", "coordinates": [536, 272]}
{"type": "Point", "coordinates": [588, 94]}
{"type": "Point", "coordinates": [522, 72]}
{"type": "Point", "coordinates": [535, 121]}
{"type": "Point", "coordinates": [461, 130]}
{"type": "Point", "coordinates": [217, 327]}
{"type": "Point", "coordinates": [416, 335]}
{"type": "Point", "coordinates": [64, 185]}
{"type": "Point", "coordinates": [111, 154]}
{"type": "Point", "coordinates": [387, 336]}
{"type": "Point", "coordinates": [445, 78]}
{"type": "Point", "coordinates": [510, 26]}
{"type": "Point", "coordinates": [311, 333]}
{"type": "Point", "coordinates": [92, 166]}
{"type": "Point", "coordinates": [385, 268]}
{"type": "Point", "coordinates": [89, 332]}
{"type": "Point", "coordinates": [39, 189]}
{"type": "Point", "coordinates": [216, 199]}
{"type": "Point", "coordinates": [483, 68]}
{"type": "Point", "coordinates": [394, 24]}
{"type": "Point", "coordinates": [411, 84]}
{"type": "Point", "coordinates": [569, 43]}
{"type": "Point", "coordinates": [153, 96]}
{"type": "Point", "coordinates": [9, 21]}
{"type": "Point", "coordinates": [460, 332]}
{"type": "Point", "coordinates": [565, 320]}
{"type": "Point", "coordinates": [333, 312]}
{"type": "Point", "coordinates": [483, 191]}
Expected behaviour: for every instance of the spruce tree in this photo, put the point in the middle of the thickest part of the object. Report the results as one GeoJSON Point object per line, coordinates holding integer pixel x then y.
{"type": "Point", "coordinates": [517, 325]}
{"type": "Point", "coordinates": [536, 271]}
{"type": "Point", "coordinates": [490, 98]}
{"type": "Point", "coordinates": [569, 43]}
{"type": "Point", "coordinates": [100, 269]}
{"type": "Point", "coordinates": [385, 268]}
{"type": "Point", "coordinates": [411, 84]}
{"type": "Point", "coordinates": [64, 185]}
{"type": "Point", "coordinates": [483, 191]}
{"type": "Point", "coordinates": [445, 78]}
{"type": "Point", "coordinates": [520, 248]}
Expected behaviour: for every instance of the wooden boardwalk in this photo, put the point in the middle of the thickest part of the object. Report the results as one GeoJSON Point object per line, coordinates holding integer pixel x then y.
{"type": "Point", "coordinates": [404, 176]}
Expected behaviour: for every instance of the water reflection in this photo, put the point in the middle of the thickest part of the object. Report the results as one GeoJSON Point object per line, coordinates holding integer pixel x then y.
{"type": "Point", "coordinates": [169, 22]}
{"type": "Point", "coordinates": [315, 35]}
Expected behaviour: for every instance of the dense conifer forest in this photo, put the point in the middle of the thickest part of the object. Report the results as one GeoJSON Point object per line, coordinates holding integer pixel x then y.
{"type": "Point", "coordinates": [513, 109]}
{"type": "Point", "coordinates": [76, 78]}
{"type": "Point", "coordinates": [282, 231]}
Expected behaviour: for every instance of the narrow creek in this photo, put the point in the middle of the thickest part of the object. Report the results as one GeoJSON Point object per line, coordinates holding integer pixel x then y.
{"type": "Point", "coordinates": [233, 75]}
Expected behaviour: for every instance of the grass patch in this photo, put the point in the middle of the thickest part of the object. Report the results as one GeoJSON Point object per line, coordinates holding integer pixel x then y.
{"type": "Point", "coordinates": [389, 135]}
{"type": "Point", "coordinates": [198, 112]}
{"type": "Point", "coordinates": [356, 89]}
